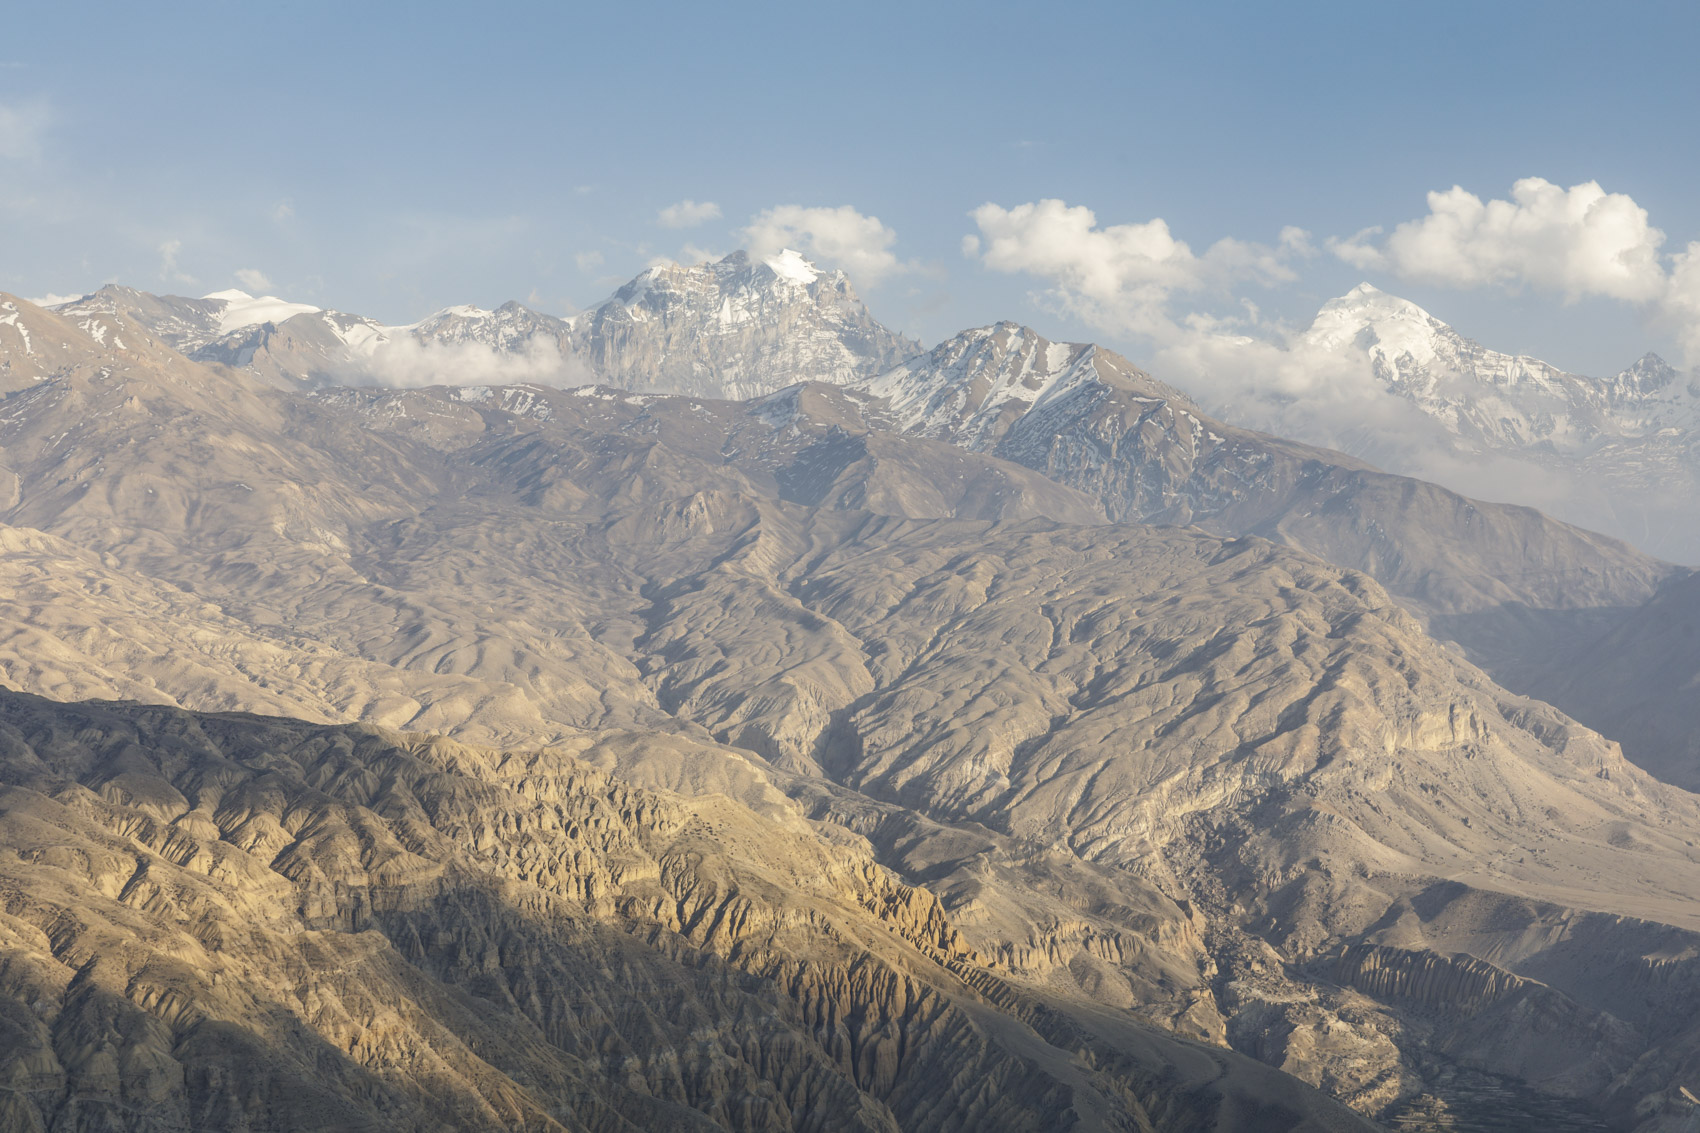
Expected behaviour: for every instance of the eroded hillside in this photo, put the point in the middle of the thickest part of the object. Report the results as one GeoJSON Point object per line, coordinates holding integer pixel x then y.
{"type": "Point", "coordinates": [1146, 776]}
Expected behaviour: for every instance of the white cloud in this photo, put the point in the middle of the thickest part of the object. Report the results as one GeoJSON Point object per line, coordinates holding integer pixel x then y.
{"type": "Point", "coordinates": [1359, 250]}
{"type": "Point", "coordinates": [1579, 241]}
{"type": "Point", "coordinates": [284, 210]}
{"type": "Point", "coordinates": [696, 254]}
{"type": "Point", "coordinates": [406, 363]}
{"type": "Point", "coordinates": [688, 214]}
{"type": "Point", "coordinates": [840, 236]}
{"type": "Point", "coordinates": [168, 253]}
{"type": "Point", "coordinates": [1120, 277]}
{"type": "Point", "coordinates": [52, 300]}
{"type": "Point", "coordinates": [588, 261]}
{"type": "Point", "coordinates": [254, 280]}
{"type": "Point", "coordinates": [22, 125]}
{"type": "Point", "coordinates": [1680, 308]}
{"type": "Point", "coordinates": [1295, 241]}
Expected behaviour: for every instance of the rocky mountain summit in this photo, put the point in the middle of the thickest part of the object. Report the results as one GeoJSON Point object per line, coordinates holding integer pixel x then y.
{"type": "Point", "coordinates": [1619, 454]}
{"type": "Point", "coordinates": [1501, 401]}
{"type": "Point", "coordinates": [734, 328]}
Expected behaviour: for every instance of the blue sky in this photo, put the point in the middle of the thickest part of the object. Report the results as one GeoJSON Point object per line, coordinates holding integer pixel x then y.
{"type": "Point", "coordinates": [392, 159]}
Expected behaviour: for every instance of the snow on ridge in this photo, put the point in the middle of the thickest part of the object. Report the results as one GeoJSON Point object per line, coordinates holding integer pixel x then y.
{"type": "Point", "coordinates": [791, 266]}
{"type": "Point", "coordinates": [244, 310]}
{"type": "Point", "coordinates": [1398, 326]}
{"type": "Point", "coordinates": [963, 385]}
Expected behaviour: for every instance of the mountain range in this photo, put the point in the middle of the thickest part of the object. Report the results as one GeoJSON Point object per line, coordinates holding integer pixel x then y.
{"type": "Point", "coordinates": [859, 737]}
{"type": "Point", "coordinates": [1616, 455]}
{"type": "Point", "coordinates": [732, 328]}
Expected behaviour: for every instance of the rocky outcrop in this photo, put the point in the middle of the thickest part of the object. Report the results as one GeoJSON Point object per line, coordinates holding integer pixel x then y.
{"type": "Point", "coordinates": [1457, 985]}
{"type": "Point", "coordinates": [735, 328]}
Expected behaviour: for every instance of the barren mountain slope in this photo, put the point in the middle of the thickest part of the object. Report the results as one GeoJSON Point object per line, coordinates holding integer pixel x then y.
{"type": "Point", "coordinates": [1065, 730]}
{"type": "Point", "coordinates": [1508, 583]}
{"type": "Point", "coordinates": [232, 922]}
{"type": "Point", "coordinates": [1639, 683]}
{"type": "Point", "coordinates": [1270, 738]}
{"type": "Point", "coordinates": [281, 511]}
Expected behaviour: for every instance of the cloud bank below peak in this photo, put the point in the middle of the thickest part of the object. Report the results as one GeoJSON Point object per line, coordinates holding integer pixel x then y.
{"type": "Point", "coordinates": [405, 362]}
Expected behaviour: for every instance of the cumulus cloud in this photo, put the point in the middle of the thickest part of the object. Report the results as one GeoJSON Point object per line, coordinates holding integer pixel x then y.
{"type": "Point", "coordinates": [52, 300]}
{"type": "Point", "coordinates": [688, 214]}
{"type": "Point", "coordinates": [253, 279]}
{"type": "Point", "coordinates": [1680, 307]}
{"type": "Point", "coordinates": [697, 254]}
{"type": "Point", "coordinates": [1580, 241]}
{"type": "Point", "coordinates": [405, 362]}
{"type": "Point", "coordinates": [169, 250]}
{"type": "Point", "coordinates": [588, 261]}
{"type": "Point", "coordinates": [1119, 277]}
{"type": "Point", "coordinates": [1129, 279]}
{"type": "Point", "coordinates": [840, 236]}
{"type": "Point", "coordinates": [22, 125]}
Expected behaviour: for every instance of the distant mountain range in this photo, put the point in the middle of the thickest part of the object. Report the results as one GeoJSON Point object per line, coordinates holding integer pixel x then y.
{"type": "Point", "coordinates": [1491, 401]}
{"type": "Point", "coordinates": [734, 328]}
{"type": "Point", "coordinates": [1619, 455]}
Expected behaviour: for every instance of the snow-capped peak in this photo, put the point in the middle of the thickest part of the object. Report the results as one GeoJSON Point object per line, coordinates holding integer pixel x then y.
{"type": "Point", "coordinates": [790, 265]}
{"type": "Point", "coordinates": [244, 310]}
{"type": "Point", "coordinates": [460, 311]}
{"type": "Point", "coordinates": [737, 327]}
{"type": "Point", "coordinates": [1377, 322]}
{"type": "Point", "coordinates": [1487, 399]}
{"type": "Point", "coordinates": [970, 387]}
